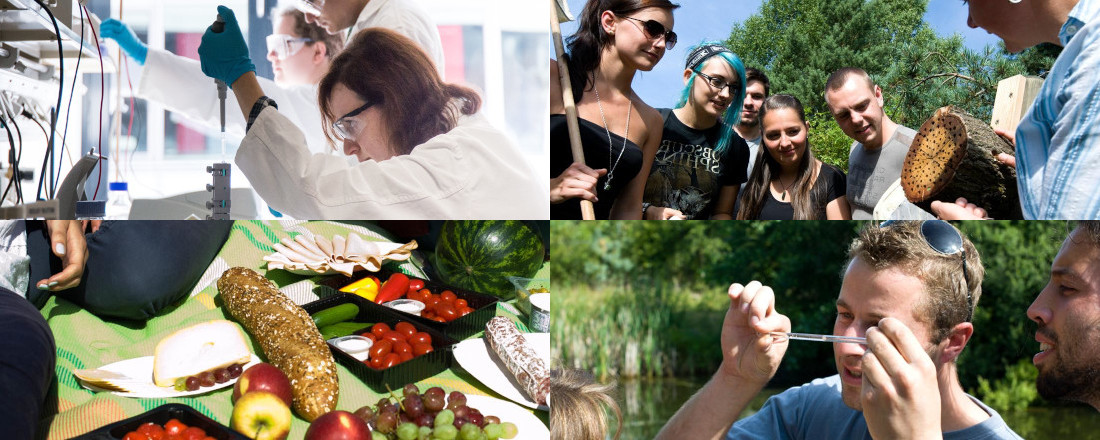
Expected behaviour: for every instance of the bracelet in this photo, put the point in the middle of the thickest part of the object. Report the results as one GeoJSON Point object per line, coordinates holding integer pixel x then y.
{"type": "Point", "coordinates": [645, 207]}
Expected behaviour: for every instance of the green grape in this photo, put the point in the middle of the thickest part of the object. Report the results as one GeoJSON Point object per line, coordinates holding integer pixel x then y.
{"type": "Point", "coordinates": [445, 432]}
{"type": "Point", "coordinates": [424, 433]}
{"type": "Point", "coordinates": [407, 431]}
{"type": "Point", "coordinates": [469, 431]}
{"type": "Point", "coordinates": [494, 431]}
{"type": "Point", "coordinates": [375, 435]}
{"type": "Point", "coordinates": [510, 430]}
{"type": "Point", "coordinates": [445, 417]}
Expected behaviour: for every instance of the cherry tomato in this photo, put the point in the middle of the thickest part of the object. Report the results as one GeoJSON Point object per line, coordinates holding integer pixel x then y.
{"type": "Point", "coordinates": [379, 329]}
{"type": "Point", "coordinates": [420, 338]}
{"type": "Point", "coordinates": [391, 360]}
{"type": "Point", "coordinates": [460, 303]}
{"type": "Point", "coordinates": [465, 311]}
{"type": "Point", "coordinates": [393, 336]}
{"type": "Point", "coordinates": [402, 347]}
{"type": "Point", "coordinates": [425, 292]}
{"type": "Point", "coordinates": [135, 436]}
{"type": "Point", "coordinates": [431, 301]}
{"type": "Point", "coordinates": [447, 312]}
{"type": "Point", "coordinates": [428, 314]}
{"type": "Point", "coordinates": [376, 363]}
{"type": "Point", "coordinates": [415, 296]}
{"type": "Point", "coordinates": [152, 431]}
{"type": "Point", "coordinates": [419, 349]}
{"type": "Point", "coordinates": [194, 433]}
{"type": "Point", "coordinates": [380, 349]}
{"type": "Point", "coordinates": [174, 427]}
{"type": "Point", "coordinates": [448, 296]}
{"type": "Point", "coordinates": [405, 328]}
{"type": "Point", "coordinates": [439, 319]}
{"type": "Point", "coordinates": [405, 357]}
{"type": "Point", "coordinates": [415, 285]}
{"type": "Point", "coordinates": [370, 336]}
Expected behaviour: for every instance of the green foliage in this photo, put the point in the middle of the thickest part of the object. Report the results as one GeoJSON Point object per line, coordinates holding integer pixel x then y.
{"type": "Point", "coordinates": [829, 143]}
{"type": "Point", "coordinates": [654, 303]}
{"type": "Point", "coordinates": [1014, 392]}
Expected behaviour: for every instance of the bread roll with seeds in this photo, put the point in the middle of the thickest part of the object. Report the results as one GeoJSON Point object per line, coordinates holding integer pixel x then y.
{"type": "Point", "coordinates": [289, 339]}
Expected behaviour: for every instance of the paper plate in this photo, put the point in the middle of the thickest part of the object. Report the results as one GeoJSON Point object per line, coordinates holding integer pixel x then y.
{"type": "Point", "coordinates": [474, 356]}
{"type": "Point", "coordinates": [142, 368]}
{"type": "Point", "coordinates": [530, 427]}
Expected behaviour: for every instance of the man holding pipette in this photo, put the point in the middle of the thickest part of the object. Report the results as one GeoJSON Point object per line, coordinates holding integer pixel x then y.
{"type": "Point", "coordinates": [910, 289]}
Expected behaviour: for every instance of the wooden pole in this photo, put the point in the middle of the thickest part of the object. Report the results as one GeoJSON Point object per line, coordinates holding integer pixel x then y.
{"type": "Point", "coordinates": [588, 212]}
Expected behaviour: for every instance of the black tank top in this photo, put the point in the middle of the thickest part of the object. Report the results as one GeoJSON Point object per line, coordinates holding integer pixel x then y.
{"type": "Point", "coordinates": [594, 138]}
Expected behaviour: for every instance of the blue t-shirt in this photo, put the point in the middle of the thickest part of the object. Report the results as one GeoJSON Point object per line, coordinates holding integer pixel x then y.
{"type": "Point", "coordinates": [816, 411]}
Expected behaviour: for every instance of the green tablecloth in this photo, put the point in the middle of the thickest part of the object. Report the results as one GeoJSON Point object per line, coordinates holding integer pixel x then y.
{"type": "Point", "coordinates": [86, 341]}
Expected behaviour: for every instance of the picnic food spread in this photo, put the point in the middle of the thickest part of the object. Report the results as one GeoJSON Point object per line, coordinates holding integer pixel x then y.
{"type": "Point", "coordinates": [512, 348]}
{"type": "Point", "coordinates": [288, 337]}
{"type": "Point", "coordinates": [200, 354]}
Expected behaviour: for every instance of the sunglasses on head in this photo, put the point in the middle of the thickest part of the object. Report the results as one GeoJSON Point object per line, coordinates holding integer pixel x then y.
{"type": "Point", "coordinates": [654, 30]}
{"type": "Point", "coordinates": [945, 239]}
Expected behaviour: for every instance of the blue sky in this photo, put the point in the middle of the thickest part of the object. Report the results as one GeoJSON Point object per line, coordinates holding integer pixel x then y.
{"type": "Point", "coordinates": [698, 20]}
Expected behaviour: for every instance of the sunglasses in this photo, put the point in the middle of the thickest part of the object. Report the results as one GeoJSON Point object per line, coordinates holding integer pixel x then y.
{"type": "Point", "coordinates": [654, 29]}
{"type": "Point", "coordinates": [285, 46]}
{"type": "Point", "coordinates": [348, 128]}
{"type": "Point", "coordinates": [310, 6]}
{"type": "Point", "coordinates": [945, 239]}
{"type": "Point", "coordinates": [718, 84]}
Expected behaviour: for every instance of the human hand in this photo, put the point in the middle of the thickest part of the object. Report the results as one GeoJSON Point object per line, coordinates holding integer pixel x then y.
{"type": "Point", "coordinates": [748, 353]}
{"type": "Point", "coordinates": [577, 181]}
{"type": "Point", "coordinates": [900, 395]}
{"type": "Point", "coordinates": [126, 39]}
{"type": "Point", "coordinates": [224, 55]}
{"type": "Point", "coordinates": [67, 242]}
{"type": "Point", "coordinates": [662, 213]}
{"type": "Point", "coordinates": [960, 210]}
{"type": "Point", "coordinates": [1007, 159]}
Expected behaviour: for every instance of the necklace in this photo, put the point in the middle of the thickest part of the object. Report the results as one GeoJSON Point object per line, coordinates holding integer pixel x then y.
{"type": "Point", "coordinates": [783, 195]}
{"type": "Point", "coordinates": [610, 147]}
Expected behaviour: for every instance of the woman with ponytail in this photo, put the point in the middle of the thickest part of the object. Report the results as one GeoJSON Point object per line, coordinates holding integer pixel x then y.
{"type": "Point", "coordinates": [787, 182]}
{"type": "Point", "coordinates": [620, 133]}
{"type": "Point", "coordinates": [423, 150]}
{"type": "Point", "coordinates": [701, 162]}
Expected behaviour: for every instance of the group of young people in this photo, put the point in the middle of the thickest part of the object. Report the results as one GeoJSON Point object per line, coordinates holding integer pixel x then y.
{"type": "Point", "coordinates": [703, 159]}
{"type": "Point", "coordinates": [364, 76]}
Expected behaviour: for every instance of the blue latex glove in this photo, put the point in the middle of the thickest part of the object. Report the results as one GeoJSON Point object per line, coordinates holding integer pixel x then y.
{"type": "Point", "coordinates": [126, 39]}
{"type": "Point", "coordinates": [224, 55]}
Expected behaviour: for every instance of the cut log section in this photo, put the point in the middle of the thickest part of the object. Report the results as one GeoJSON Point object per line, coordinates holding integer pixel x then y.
{"type": "Point", "coordinates": [954, 155]}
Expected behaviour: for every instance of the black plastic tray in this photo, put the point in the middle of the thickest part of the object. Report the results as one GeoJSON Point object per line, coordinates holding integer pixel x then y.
{"type": "Point", "coordinates": [410, 371]}
{"type": "Point", "coordinates": [484, 306]}
{"type": "Point", "coordinates": [161, 415]}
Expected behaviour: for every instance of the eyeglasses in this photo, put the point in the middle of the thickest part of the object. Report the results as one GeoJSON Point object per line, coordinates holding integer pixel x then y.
{"type": "Point", "coordinates": [718, 84]}
{"type": "Point", "coordinates": [284, 45]}
{"type": "Point", "coordinates": [310, 6]}
{"type": "Point", "coordinates": [654, 30]}
{"type": "Point", "coordinates": [348, 128]}
{"type": "Point", "coordinates": [945, 239]}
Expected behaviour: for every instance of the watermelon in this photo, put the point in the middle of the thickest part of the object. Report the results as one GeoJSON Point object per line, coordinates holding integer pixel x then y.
{"type": "Point", "coordinates": [481, 255]}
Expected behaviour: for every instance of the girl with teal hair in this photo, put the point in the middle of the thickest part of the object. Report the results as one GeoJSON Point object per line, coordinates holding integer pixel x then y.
{"type": "Point", "coordinates": [701, 161]}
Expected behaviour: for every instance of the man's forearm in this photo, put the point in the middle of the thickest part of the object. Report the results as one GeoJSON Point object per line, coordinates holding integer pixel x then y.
{"type": "Point", "coordinates": [711, 411]}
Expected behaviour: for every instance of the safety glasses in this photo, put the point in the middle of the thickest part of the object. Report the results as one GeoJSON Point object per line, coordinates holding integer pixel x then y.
{"type": "Point", "coordinates": [284, 45]}
{"type": "Point", "coordinates": [945, 239]}
{"type": "Point", "coordinates": [654, 29]}
{"type": "Point", "coordinates": [718, 84]}
{"type": "Point", "coordinates": [310, 6]}
{"type": "Point", "coordinates": [347, 127]}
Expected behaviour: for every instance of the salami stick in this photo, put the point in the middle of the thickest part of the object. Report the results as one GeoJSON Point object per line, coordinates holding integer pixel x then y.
{"type": "Point", "coordinates": [525, 365]}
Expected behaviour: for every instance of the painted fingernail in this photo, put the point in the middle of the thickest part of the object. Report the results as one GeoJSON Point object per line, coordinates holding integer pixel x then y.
{"type": "Point", "coordinates": [59, 248]}
{"type": "Point", "coordinates": [54, 283]}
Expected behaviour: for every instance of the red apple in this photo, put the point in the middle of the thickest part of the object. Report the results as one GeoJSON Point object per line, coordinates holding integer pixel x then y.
{"type": "Point", "coordinates": [261, 415]}
{"type": "Point", "coordinates": [264, 377]}
{"type": "Point", "coordinates": [338, 425]}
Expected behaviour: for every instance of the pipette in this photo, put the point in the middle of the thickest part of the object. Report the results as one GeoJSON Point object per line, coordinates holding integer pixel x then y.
{"type": "Point", "coordinates": [218, 27]}
{"type": "Point", "coordinates": [820, 338]}
{"type": "Point", "coordinates": [220, 203]}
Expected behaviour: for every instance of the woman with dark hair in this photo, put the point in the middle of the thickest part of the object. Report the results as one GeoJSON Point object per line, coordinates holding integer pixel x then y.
{"type": "Point", "coordinates": [701, 162]}
{"type": "Point", "coordinates": [788, 183]}
{"type": "Point", "coordinates": [614, 40]}
{"type": "Point", "coordinates": [299, 53]}
{"type": "Point", "coordinates": [424, 152]}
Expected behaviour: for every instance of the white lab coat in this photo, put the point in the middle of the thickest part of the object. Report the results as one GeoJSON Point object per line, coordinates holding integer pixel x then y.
{"type": "Point", "coordinates": [471, 172]}
{"type": "Point", "coordinates": [407, 19]}
{"type": "Point", "coordinates": [179, 85]}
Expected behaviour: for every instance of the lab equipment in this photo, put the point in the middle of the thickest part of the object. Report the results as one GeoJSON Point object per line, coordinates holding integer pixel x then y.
{"type": "Point", "coordinates": [220, 202]}
{"type": "Point", "coordinates": [819, 338]}
{"type": "Point", "coordinates": [91, 210]}
{"type": "Point", "coordinates": [118, 201]}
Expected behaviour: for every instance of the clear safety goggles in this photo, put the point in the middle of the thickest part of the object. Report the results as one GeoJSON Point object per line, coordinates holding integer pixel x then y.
{"type": "Point", "coordinates": [347, 127]}
{"type": "Point", "coordinates": [285, 45]}
{"type": "Point", "coordinates": [312, 7]}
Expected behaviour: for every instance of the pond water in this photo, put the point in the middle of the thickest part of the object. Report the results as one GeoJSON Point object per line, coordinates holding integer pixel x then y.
{"type": "Point", "coordinates": [648, 404]}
